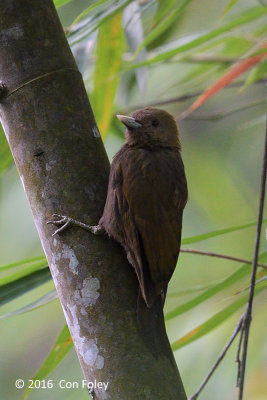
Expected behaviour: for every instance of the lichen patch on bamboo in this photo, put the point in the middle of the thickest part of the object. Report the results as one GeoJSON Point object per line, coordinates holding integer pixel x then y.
{"type": "Point", "coordinates": [19, 154]}
{"type": "Point", "coordinates": [49, 165]}
{"type": "Point", "coordinates": [87, 348]}
{"type": "Point", "coordinates": [14, 32]}
{"type": "Point", "coordinates": [88, 294]}
{"type": "Point", "coordinates": [96, 132]}
{"type": "Point", "coordinates": [69, 254]}
{"type": "Point", "coordinates": [91, 354]}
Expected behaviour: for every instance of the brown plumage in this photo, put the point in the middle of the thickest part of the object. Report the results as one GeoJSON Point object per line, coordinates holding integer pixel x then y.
{"type": "Point", "coordinates": [147, 193]}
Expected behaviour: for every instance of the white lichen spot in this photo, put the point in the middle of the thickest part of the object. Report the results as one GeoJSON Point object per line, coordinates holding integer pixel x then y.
{"type": "Point", "coordinates": [67, 316]}
{"type": "Point", "coordinates": [49, 165]}
{"type": "Point", "coordinates": [19, 153]}
{"type": "Point", "coordinates": [55, 271]}
{"type": "Point", "coordinates": [88, 294]}
{"type": "Point", "coordinates": [83, 310]}
{"type": "Point", "coordinates": [90, 291]}
{"type": "Point", "coordinates": [68, 253]}
{"type": "Point", "coordinates": [101, 393]}
{"type": "Point", "coordinates": [87, 348]}
{"type": "Point", "coordinates": [91, 354]}
{"type": "Point", "coordinates": [99, 362]}
{"type": "Point", "coordinates": [15, 32]}
{"type": "Point", "coordinates": [96, 132]}
{"type": "Point", "coordinates": [74, 324]}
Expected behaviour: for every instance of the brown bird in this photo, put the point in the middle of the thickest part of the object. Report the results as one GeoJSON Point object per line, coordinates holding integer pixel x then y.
{"type": "Point", "coordinates": [147, 193]}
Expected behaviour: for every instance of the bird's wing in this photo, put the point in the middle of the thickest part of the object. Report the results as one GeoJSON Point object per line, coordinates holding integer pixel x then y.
{"type": "Point", "coordinates": [154, 190]}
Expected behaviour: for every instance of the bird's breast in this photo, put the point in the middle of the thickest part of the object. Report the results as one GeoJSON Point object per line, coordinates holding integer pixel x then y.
{"type": "Point", "coordinates": [150, 177]}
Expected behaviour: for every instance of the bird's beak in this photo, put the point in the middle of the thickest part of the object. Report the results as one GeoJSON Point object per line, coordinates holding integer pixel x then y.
{"type": "Point", "coordinates": [130, 122]}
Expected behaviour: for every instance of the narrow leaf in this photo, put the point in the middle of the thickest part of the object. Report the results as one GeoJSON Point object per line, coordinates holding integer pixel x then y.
{"type": "Point", "coordinates": [208, 235]}
{"type": "Point", "coordinates": [236, 276]}
{"type": "Point", "coordinates": [6, 158]}
{"type": "Point", "coordinates": [133, 27]}
{"type": "Point", "coordinates": [164, 8]}
{"type": "Point", "coordinates": [60, 349]}
{"type": "Point", "coordinates": [47, 298]}
{"type": "Point", "coordinates": [259, 72]}
{"type": "Point", "coordinates": [22, 272]}
{"type": "Point", "coordinates": [21, 263]}
{"type": "Point", "coordinates": [163, 25]}
{"type": "Point", "coordinates": [60, 3]}
{"type": "Point", "coordinates": [228, 7]}
{"type": "Point", "coordinates": [89, 24]}
{"type": "Point", "coordinates": [215, 321]}
{"type": "Point", "coordinates": [247, 16]}
{"type": "Point", "coordinates": [15, 289]}
{"type": "Point", "coordinates": [110, 46]}
{"type": "Point", "coordinates": [234, 72]}
{"type": "Point", "coordinates": [88, 10]}
{"type": "Point", "coordinates": [198, 288]}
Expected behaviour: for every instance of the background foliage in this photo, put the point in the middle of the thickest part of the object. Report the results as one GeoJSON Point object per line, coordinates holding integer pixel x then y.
{"type": "Point", "coordinates": [133, 53]}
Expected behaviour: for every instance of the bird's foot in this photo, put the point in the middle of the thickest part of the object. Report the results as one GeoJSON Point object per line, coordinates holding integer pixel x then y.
{"type": "Point", "coordinates": [60, 220]}
{"type": "Point", "coordinates": [64, 222]}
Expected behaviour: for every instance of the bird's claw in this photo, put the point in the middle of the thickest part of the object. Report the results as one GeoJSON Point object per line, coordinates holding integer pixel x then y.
{"type": "Point", "coordinates": [63, 220]}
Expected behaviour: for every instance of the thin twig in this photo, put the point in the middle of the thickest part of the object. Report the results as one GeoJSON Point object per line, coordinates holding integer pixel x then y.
{"type": "Point", "coordinates": [238, 361]}
{"type": "Point", "coordinates": [243, 324]}
{"type": "Point", "coordinates": [219, 255]}
{"type": "Point", "coordinates": [218, 361]}
{"type": "Point", "coordinates": [179, 99]}
{"type": "Point", "coordinates": [248, 312]}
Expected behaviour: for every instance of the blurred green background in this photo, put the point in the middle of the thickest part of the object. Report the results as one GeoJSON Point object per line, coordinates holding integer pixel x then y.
{"type": "Point", "coordinates": [222, 153]}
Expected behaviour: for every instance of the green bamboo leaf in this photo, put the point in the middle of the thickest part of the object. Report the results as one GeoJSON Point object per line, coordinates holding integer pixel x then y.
{"type": "Point", "coordinates": [17, 288]}
{"type": "Point", "coordinates": [110, 47]}
{"type": "Point", "coordinates": [215, 321]}
{"type": "Point", "coordinates": [164, 8]}
{"type": "Point", "coordinates": [261, 276]}
{"type": "Point", "coordinates": [134, 33]}
{"type": "Point", "coordinates": [236, 276]}
{"type": "Point", "coordinates": [262, 50]}
{"type": "Point", "coordinates": [208, 235]}
{"type": "Point", "coordinates": [22, 272]}
{"type": "Point", "coordinates": [60, 3]}
{"type": "Point", "coordinates": [88, 10]}
{"type": "Point", "coordinates": [229, 5]}
{"type": "Point", "coordinates": [198, 288]}
{"type": "Point", "coordinates": [258, 72]}
{"type": "Point", "coordinates": [198, 73]}
{"type": "Point", "coordinates": [20, 263]}
{"type": "Point", "coordinates": [47, 298]}
{"type": "Point", "coordinates": [231, 47]}
{"type": "Point", "coordinates": [247, 16]}
{"type": "Point", "coordinates": [60, 349]}
{"type": "Point", "coordinates": [90, 23]}
{"type": "Point", "coordinates": [163, 25]}
{"type": "Point", "coordinates": [6, 158]}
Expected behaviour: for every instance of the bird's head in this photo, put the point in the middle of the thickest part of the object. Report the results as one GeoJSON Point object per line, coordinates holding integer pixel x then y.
{"type": "Point", "coordinates": [151, 126]}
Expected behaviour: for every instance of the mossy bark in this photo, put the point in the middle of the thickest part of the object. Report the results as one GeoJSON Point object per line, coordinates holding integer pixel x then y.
{"type": "Point", "coordinates": [64, 168]}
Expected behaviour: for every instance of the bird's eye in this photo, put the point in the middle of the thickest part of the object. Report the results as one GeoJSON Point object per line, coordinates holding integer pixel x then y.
{"type": "Point", "coordinates": [155, 122]}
